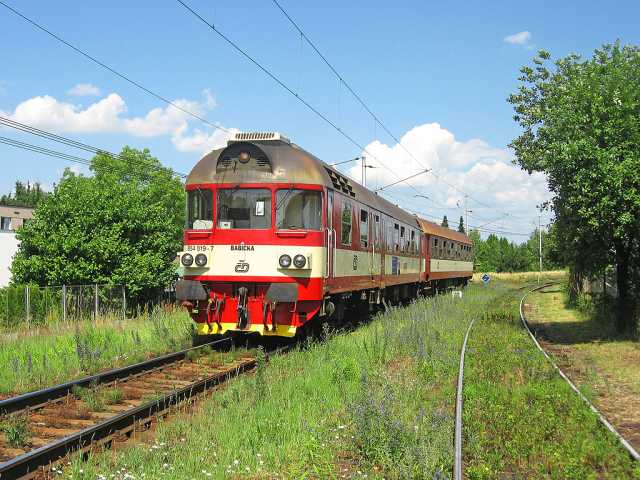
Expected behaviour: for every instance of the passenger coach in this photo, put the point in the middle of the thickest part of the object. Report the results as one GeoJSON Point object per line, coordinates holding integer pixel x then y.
{"type": "Point", "coordinates": [276, 237]}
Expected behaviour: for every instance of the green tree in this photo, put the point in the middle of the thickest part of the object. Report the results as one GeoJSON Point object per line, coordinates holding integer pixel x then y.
{"type": "Point", "coordinates": [25, 195]}
{"type": "Point", "coordinates": [581, 127]}
{"type": "Point", "coordinates": [461, 225]}
{"type": "Point", "coordinates": [120, 226]}
{"type": "Point", "coordinates": [445, 222]}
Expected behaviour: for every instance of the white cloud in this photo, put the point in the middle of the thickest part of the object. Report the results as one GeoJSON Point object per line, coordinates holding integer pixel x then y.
{"type": "Point", "coordinates": [201, 141]}
{"type": "Point", "coordinates": [108, 115]}
{"type": "Point", "coordinates": [474, 167]}
{"type": "Point", "coordinates": [84, 90]}
{"type": "Point", "coordinates": [520, 38]}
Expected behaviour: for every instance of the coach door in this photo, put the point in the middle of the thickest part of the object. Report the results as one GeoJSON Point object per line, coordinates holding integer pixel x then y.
{"type": "Point", "coordinates": [330, 238]}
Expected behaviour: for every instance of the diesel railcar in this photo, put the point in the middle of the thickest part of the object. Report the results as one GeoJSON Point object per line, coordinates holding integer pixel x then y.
{"type": "Point", "coordinates": [275, 237]}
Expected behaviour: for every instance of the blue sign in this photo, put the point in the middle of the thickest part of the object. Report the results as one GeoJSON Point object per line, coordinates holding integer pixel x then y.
{"type": "Point", "coordinates": [485, 278]}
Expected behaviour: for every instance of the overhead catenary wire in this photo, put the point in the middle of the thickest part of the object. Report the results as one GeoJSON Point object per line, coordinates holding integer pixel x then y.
{"type": "Point", "coordinates": [469, 227]}
{"type": "Point", "coordinates": [156, 95]}
{"type": "Point", "coordinates": [111, 69]}
{"type": "Point", "coordinates": [345, 161]}
{"type": "Point", "coordinates": [366, 107]}
{"type": "Point", "coordinates": [282, 84]}
{"type": "Point", "coordinates": [173, 104]}
{"type": "Point", "coordinates": [44, 151]}
{"type": "Point", "coordinates": [7, 122]}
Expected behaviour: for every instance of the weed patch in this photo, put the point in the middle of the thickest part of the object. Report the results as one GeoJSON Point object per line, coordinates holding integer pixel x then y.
{"type": "Point", "coordinates": [16, 430]}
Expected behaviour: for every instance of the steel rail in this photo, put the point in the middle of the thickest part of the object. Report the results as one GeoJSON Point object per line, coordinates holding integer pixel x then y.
{"type": "Point", "coordinates": [627, 446]}
{"type": "Point", "coordinates": [457, 464]}
{"type": "Point", "coordinates": [41, 397]}
{"type": "Point", "coordinates": [27, 464]}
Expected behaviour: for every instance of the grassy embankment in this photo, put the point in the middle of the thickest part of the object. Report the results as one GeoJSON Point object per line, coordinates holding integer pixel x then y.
{"type": "Point", "coordinates": [583, 340]}
{"type": "Point", "coordinates": [522, 420]}
{"type": "Point", "coordinates": [60, 352]}
{"type": "Point", "coordinates": [379, 402]}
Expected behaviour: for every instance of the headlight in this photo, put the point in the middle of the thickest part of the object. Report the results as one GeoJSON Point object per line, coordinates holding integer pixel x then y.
{"type": "Point", "coordinates": [201, 259]}
{"type": "Point", "coordinates": [299, 261]}
{"type": "Point", "coordinates": [187, 260]}
{"type": "Point", "coordinates": [285, 261]}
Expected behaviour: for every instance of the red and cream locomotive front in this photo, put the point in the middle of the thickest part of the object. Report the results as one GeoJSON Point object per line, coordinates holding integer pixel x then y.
{"type": "Point", "coordinates": [253, 254]}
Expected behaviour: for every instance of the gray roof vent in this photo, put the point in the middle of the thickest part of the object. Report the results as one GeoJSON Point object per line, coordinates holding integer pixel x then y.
{"type": "Point", "coordinates": [259, 137]}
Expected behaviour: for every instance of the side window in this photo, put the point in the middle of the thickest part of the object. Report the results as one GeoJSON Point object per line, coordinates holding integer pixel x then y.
{"type": "Point", "coordinates": [396, 237]}
{"type": "Point", "coordinates": [364, 228]}
{"type": "Point", "coordinates": [389, 234]}
{"type": "Point", "coordinates": [413, 248]}
{"type": "Point", "coordinates": [346, 223]}
{"type": "Point", "coordinates": [376, 230]}
{"type": "Point", "coordinates": [403, 240]}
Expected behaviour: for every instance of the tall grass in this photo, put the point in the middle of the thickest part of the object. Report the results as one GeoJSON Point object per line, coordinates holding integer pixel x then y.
{"type": "Point", "coordinates": [521, 419]}
{"type": "Point", "coordinates": [379, 403]}
{"type": "Point", "coordinates": [50, 355]}
{"type": "Point", "coordinates": [379, 400]}
{"type": "Point", "coordinates": [523, 277]}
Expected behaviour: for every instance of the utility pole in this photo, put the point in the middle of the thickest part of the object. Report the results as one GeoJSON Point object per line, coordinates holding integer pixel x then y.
{"type": "Point", "coordinates": [540, 243]}
{"type": "Point", "coordinates": [466, 213]}
{"type": "Point", "coordinates": [364, 171]}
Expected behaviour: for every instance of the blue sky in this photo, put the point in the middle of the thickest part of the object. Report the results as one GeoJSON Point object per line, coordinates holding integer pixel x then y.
{"type": "Point", "coordinates": [436, 74]}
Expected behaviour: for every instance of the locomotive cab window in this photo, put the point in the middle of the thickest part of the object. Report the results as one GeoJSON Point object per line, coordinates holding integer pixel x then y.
{"type": "Point", "coordinates": [364, 228]}
{"type": "Point", "coordinates": [298, 209]}
{"type": "Point", "coordinates": [345, 238]}
{"type": "Point", "coordinates": [244, 208]}
{"type": "Point", "coordinates": [199, 209]}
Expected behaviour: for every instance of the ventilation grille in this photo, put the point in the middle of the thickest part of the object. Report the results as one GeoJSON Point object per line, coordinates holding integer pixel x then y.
{"type": "Point", "coordinates": [229, 159]}
{"type": "Point", "coordinates": [259, 137]}
{"type": "Point", "coordinates": [340, 182]}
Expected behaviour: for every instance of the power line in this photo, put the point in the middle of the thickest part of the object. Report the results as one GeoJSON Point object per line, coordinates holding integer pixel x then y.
{"type": "Point", "coordinates": [366, 107]}
{"type": "Point", "coordinates": [44, 151]}
{"type": "Point", "coordinates": [174, 105]}
{"type": "Point", "coordinates": [7, 122]}
{"type": "Point", "coordinates": [400, 181]}
{"type": "Point", "coordinates": [345, 161]}
{"type": "Point", "coordinates": [280, 82]}
{"type": "Point", "coordinates": [112, 70]}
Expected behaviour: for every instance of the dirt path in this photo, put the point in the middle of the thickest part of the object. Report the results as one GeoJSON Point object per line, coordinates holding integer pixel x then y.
{"type": "Point", "coordinates": [603, 366]}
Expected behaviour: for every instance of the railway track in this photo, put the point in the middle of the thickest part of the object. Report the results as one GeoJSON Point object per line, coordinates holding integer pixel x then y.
{"type": "Point", "coordinates": [47, 425]}
{"type": "Point", "coordinates": [457, 443]}
{"type": "Point", "coordinates": [605, 423]}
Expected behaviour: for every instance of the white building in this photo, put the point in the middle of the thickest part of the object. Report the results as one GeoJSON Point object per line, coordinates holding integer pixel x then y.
{"type": "Point", "coordinates": [8, 248]}
{"type": "Point", "coordinates": [11, 218]}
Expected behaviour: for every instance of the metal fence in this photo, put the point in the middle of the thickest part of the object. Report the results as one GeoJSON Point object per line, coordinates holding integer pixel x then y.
{"type": "Point", "coordinates": [34, 305]}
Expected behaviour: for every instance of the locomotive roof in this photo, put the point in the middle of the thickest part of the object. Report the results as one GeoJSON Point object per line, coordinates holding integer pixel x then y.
{"type": "Point", "coordinates": [444, 232]}
{"type": "Point", "coordinates": [288, 164]}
